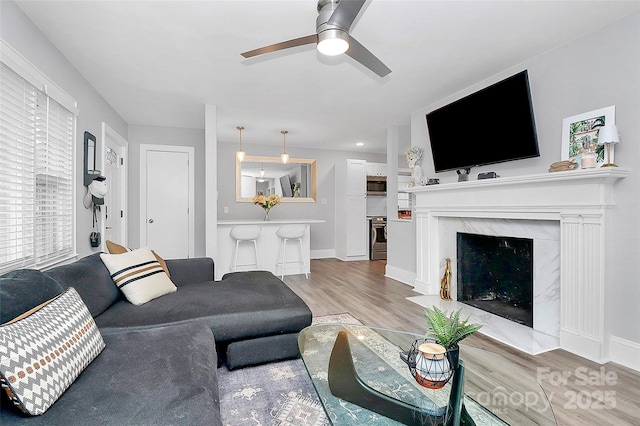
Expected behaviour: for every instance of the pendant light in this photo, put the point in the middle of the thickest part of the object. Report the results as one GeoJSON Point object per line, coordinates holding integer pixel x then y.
{"type": "Point", "coordinates": [240, 153]}
{"type": "Point", "coordinates": [262, 171]}
{"type": "Point", "coordinates": [284, 158]}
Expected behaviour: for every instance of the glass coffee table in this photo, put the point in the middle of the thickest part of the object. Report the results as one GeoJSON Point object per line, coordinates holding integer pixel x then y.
{"type": "Point", "coordinates": [496, 391]}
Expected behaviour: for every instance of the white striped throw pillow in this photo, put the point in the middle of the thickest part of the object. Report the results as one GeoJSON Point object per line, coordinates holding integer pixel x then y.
{"type": "Point", "coordinates": [139, 275]}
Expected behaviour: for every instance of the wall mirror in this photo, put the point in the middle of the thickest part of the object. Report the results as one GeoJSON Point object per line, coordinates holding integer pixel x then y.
{"type": "Point", "coordinates": [90, 171]}
{"type": "Point", "coordinates": [294, 182]}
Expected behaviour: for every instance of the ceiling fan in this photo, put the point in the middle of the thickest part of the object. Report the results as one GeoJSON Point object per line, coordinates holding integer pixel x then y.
{"type": "Point", "coordinates": [332, 35]}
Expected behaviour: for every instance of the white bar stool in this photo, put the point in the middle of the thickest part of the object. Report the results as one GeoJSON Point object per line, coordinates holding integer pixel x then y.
{"type": "Point", "coordinates": [292, 232]}
{"type": "Point", "coordinates": [245, 234]}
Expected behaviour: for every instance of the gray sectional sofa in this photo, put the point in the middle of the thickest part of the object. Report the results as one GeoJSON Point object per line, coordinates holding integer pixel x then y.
{"type": "Point", "coordinates": [160, 361]}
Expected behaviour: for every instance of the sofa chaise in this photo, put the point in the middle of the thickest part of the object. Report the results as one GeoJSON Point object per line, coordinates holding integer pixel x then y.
{"type": "Point", "coordinates": [160, 358]}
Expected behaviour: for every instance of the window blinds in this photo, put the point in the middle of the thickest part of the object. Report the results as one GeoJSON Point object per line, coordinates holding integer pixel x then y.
{"type": "Point", "coordinates": [36, 176]}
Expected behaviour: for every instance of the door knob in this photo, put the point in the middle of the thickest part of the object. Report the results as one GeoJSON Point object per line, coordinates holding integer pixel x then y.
{"type": "Point", "coordinates": [150, 220]}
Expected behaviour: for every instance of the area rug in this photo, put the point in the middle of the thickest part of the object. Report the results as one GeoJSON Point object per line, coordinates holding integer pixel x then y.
{"type": "Point", "coordinates": [275, 394]}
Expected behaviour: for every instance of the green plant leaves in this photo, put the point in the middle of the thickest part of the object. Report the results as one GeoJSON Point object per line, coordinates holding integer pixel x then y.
{"type": "Point", "coordinates": [448, 330]}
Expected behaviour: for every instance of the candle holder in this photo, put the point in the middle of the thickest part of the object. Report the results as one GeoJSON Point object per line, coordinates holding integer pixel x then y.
{"type": "Point", "coordinates": [430, 364]}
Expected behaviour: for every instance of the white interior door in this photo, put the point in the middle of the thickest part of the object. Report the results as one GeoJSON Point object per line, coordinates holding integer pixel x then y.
{"type": "Point", "coordinates": [114, 211]}
{"type": "Point", "coordinates": [167, 200]}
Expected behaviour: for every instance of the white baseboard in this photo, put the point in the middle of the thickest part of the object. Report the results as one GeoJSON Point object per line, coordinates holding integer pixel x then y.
{"type": "Point", "coordinates": [404, 276]}
{"type": "Point", "coordinates": [323, 254]}
{"type": "Point", "coordinates": [625, 352]}
{"type": "Point", "coordinates": [352, 258]}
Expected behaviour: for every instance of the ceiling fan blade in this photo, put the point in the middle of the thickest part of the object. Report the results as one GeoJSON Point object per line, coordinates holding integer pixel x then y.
{"type": "Point", "coordinates": [345, 13]}
{"type": "Point", "coordinates": [313, 38]}
{"type": "Point", "coordinates": [366, 58]}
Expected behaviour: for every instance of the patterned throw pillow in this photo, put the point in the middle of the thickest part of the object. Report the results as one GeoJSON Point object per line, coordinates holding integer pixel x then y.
{"type": "Point", "coordinates": [45, 349]}
{"type": "Point", "coordinates": [139, 275]}
{"type": "Point", "coordinates": [115, 248]}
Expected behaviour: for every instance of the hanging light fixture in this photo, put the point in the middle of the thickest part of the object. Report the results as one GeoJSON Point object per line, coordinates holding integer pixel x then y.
{"type": "Point", "coordinates": [284, 158]}
{"type": "Point", "coordinates": [262, 171]}
{"type": "Point", "coordinates": [240, 154]}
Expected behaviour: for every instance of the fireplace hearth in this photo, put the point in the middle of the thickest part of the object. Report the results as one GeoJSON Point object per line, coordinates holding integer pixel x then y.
{"type": "Point", "coordinates": [495, 274]}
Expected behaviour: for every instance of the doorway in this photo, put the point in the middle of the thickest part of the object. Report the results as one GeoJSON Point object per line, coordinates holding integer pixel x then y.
{"type": "Point", "coordinates": [167, 195]}
{"type": "Point", "coordinates": [114, 212]}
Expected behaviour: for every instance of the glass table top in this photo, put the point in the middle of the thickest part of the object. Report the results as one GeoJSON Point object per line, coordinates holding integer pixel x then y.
{"type": "Point", "coordinates": [497, 391]}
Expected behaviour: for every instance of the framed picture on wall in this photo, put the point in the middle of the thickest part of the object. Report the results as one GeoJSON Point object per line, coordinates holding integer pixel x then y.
{"type": "Point", "coordinates": [581, 131]}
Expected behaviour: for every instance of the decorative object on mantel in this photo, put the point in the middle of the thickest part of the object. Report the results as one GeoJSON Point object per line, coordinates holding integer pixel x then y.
{"type": "Point", "coordinates": [267, 203]}
{"type": "Point", "coordinates": [284, 158]}
{"type": "Point", "coordinates": [414, 161]}
{"type": "Point", "coordinates": [240, 154]}
{"type": "Point", "coordinates": [463, 174]}
{"type": "Point", "coordinates": [445, 282]}
{"type": "Point", "coordinates": [588, 158]}
{"type": "Point", "coordinates": [608, 135]}
{"type": "Point", "coordinates": [581, 131]}
{"type": "Point", "coordinates": [563, 166]}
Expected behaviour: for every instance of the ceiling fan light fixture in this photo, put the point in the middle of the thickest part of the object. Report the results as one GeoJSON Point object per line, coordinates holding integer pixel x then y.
{"type": "Point", "coordinates": [333, 42]}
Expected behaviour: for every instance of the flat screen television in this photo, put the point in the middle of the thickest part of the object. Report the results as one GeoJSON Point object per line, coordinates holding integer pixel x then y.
{"type": "Point", "coordinates": [493, 125]}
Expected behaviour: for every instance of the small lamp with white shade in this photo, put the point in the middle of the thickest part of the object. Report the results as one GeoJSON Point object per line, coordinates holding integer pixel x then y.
{"type": "Point", "coordinates": [608, 135]}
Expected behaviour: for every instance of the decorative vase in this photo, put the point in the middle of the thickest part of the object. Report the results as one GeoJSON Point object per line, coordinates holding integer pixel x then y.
{"type": "Point", "coordinates": [429, 363]}
{"type": "Point", "coordinates": [266, 215]}
{"type": "Point", "coordinates": [432, 366]}
{"type": "Point", "coordinates": [417, 176]}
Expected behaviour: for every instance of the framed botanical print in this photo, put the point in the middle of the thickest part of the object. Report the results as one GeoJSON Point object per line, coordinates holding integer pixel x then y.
{"type": "Point", "coordinates": [581, 131]}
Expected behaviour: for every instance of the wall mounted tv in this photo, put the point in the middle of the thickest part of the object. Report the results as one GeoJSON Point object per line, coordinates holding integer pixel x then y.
{"type": "Point", "coordinates": [493, 125]}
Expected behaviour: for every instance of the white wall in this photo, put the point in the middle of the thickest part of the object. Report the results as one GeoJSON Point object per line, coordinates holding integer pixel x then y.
{"type": "Point", "coordinates": [154, 135]}
{"type": "Point", "coordinates": [592, 72]}
{"type": "Point", "coordinates": [17, 30]}
{"type": "Point", "coordinates": [401, 235]}
{"type": "Point", "coordinates": [322, 235]}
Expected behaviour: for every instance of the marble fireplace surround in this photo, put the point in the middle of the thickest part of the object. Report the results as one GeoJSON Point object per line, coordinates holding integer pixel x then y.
{"type": "Point", "coordinates": [568, 214]}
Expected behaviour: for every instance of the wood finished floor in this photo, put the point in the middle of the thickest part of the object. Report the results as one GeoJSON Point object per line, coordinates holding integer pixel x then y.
{"type": "Point", "coordinates": [611, 395]}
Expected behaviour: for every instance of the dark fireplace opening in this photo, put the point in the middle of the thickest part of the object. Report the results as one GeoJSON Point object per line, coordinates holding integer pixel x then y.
{"type": "Point", "coordinates": [495, 274]}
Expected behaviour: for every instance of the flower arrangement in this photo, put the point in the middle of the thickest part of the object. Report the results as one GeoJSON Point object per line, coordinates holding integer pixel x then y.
{"type": "Point", "coordinates": [266, 202]}
{"type": "Point", "coordinates": [414, 155]}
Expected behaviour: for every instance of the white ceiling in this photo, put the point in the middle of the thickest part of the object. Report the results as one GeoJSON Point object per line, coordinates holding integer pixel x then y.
{"type": "Point", "coordinates": [158, 63]}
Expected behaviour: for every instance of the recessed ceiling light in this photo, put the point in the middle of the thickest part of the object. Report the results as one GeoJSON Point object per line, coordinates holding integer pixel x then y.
{"type": "Point", "coordinates": [360, 144]}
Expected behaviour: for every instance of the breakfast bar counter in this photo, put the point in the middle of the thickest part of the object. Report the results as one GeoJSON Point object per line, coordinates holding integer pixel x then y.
{"type": "Point", "coordinates": [268, 246]}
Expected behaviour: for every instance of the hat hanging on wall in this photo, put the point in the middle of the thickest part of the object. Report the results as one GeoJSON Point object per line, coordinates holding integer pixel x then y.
{"type": "Point", "coordinates": [96, 191]}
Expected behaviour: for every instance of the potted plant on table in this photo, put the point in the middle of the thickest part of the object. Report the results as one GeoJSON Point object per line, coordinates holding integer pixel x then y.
{"type": "Point", "coordinates": [437, 356]}
{"type": "Point", "coordinates": [449, 330]}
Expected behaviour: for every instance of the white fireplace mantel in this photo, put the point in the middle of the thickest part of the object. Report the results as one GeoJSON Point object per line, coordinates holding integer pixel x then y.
{"type": "Point", "coordinates": [581, 201]}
